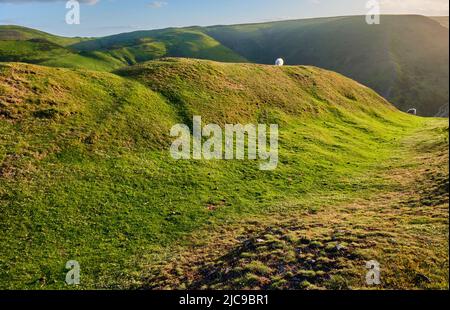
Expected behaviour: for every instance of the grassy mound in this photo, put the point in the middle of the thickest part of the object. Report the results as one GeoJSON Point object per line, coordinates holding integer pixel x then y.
{"type": "Point", "coordinates": [85, 171]}
{"type": "Point", "coordinates": [249, 93]}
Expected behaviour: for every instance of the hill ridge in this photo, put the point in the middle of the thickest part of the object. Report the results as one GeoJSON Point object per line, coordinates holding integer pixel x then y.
{"type": "Point", "coordinates": [388, 58]}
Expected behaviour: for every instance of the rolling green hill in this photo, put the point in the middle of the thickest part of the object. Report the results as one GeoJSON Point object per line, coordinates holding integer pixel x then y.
{"type": "Point", "coordinates": [85, 174]}
{"type": "Point", "coordinates": [105, 54]}
{"type": "Point", "coordinates": [140, 46]}
{"type": "Point", "coordinates": [405, 58]}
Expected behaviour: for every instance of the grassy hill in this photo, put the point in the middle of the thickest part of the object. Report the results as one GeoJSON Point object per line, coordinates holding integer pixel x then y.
{"type": "Point", "coordinates": [85, 174]}
{"type": "Point", "coordinates": [405, 58]}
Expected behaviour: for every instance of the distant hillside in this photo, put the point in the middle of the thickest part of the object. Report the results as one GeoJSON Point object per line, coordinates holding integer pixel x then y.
{"type": "Point", "coordinates": [105, 54]}
{"type": "Point", "coordinates": [44, 52]}
{"type": "Point", "coordinates": [22, 44]}
{"type": "Point", "coordinates": [140, 46]}
{"type": "Point", "coordinates": [405, 58]}
{"type": "Point", "coordinates": [18, 33]}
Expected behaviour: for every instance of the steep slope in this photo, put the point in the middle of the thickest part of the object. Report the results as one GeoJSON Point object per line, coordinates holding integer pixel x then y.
{"type": "Point", "coordinates": [85, 170]}
{"type": "Point", "coordinates": [405, 58]}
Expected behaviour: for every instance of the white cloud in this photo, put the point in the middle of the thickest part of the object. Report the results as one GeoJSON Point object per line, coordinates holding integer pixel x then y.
{"type": "Point", "coordinates": [424, 7]}
{"type": "Point", "coordinates": [157, 4]}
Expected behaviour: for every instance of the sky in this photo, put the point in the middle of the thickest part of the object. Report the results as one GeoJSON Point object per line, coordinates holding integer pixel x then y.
{"type": "Point", "coordinates": [105, 17]}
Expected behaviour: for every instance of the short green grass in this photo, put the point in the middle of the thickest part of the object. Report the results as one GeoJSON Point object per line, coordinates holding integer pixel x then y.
{"type": "Point", "coordinates": [404, 226]}
{"type": "Point", "coordinates": [85, 172]}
